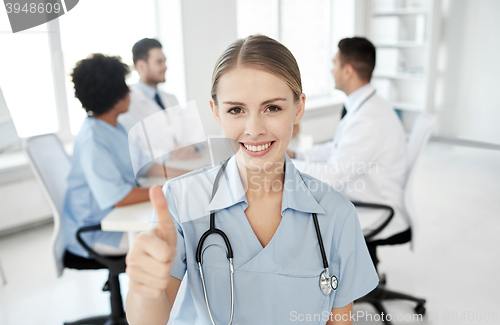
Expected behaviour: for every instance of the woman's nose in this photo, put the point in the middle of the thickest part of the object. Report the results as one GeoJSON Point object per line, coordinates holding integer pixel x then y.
{"type": "Point", "coordinates": [255, 127]}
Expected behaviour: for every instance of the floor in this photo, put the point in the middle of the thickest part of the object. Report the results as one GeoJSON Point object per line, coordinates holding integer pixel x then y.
{"type": "Point", "coordinates": [455, 263]}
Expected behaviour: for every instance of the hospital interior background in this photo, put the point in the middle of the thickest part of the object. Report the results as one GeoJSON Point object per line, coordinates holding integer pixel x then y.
{"type": "Point", "coordinates": [434, 57]}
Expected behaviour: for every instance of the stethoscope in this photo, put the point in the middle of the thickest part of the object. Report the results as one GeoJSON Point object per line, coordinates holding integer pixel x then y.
{"type": "Point", "coordinates": [327, 282]}
{"type": "Point", "coordinates": [365, 100]}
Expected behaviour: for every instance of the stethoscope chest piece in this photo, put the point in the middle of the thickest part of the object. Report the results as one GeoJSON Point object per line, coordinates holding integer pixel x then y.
{"type": "Point", "coordinates": [328, 283]}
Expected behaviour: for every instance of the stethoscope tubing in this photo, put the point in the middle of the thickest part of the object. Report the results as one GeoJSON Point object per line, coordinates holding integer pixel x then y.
{"type": "Point", "coordinates": [212, 229]}
{"type": "Point", "coordinates": [208, 233]}
{"type": "Point", "coordinates": [365, 100]}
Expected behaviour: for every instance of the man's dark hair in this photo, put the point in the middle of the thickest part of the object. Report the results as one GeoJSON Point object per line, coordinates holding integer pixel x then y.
{"type": "Point", "coordinates": [140, 50]}
{"type": "Point", "coordinates": [360, 53]}
{"type": "Point", "coordinates": [99, 82]}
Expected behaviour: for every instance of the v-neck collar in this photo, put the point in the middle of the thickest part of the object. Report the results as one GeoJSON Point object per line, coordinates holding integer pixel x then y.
{"type": "Point", "coordinates": [296, 193]}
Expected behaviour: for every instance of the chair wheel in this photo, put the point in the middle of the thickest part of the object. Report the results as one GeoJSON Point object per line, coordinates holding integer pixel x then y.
{"type": "Point", "coordinates": [420, 309]}
{"type": "Point", "coordinates": [383, 279]}
{"type": "Point", "coordinates": [106, 286]}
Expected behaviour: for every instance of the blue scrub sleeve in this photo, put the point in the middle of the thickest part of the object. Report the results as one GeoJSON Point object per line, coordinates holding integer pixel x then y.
{"type": "Point", "coordinates": [357, 275]}
{"type": "Point", "coordinates": [179, 268]}
{"type": "Point", "coordinates": [105, 181]}
{"type": "Point", "coordinates": [141, 160]}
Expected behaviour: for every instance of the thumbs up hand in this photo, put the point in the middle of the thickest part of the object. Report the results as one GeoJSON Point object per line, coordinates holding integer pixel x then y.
{"type": "Point", "coordinates": [151, 256]}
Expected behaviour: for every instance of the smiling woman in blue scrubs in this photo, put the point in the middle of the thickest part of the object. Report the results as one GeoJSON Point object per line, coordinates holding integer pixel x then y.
{"type": "Point", "coordinates": [263, 205]}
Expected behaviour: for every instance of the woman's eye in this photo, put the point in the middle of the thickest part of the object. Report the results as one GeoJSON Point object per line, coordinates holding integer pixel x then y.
{"type": "Point", "coordinates": [273, 109]}
{"type": "Point", "coordinates": [235, 110]}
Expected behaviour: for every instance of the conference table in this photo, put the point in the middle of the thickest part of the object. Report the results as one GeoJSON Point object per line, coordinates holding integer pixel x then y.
{"type": "Point", "coordinates": [131, 219]}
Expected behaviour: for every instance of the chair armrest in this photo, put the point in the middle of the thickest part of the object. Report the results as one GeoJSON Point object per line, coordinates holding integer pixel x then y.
{"type": "Point", "coordinates": [116, 264]}
{"type": "Point", "coordinates": [377, 230]}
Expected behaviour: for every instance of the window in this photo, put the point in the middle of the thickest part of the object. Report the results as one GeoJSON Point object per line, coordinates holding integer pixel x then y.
{"type": "Point", "coordinates": [307, 28]}
{"type": "Point", "coordinates": [257, 17]}
{"type": "Point", "coordinates": [26, 79]}
{"type": "Point", "coordinates": [110, 27]}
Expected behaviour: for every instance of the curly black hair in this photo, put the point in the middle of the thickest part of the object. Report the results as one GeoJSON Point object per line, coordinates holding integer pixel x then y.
{"type": "Point", "coordinates": [99, 82]}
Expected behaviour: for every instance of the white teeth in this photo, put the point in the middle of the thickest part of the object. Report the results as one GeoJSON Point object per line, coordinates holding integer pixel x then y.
{"type": "Point", "coordinates": [257, 148]}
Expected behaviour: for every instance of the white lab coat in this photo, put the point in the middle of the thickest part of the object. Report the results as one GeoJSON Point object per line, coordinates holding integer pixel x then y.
{"type": "Point", "coordinates": [164, 127]}
{"type": "Point", "coordinates": [141, 106]}
{"type": "Point", "coordinates": [366, 161]}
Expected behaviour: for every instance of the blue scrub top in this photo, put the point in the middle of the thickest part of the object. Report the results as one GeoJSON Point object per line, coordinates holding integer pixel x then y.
{"type": "Point", "coordinates": [274, 284]}
{"type": "Point", "coordinates": [101, 175]}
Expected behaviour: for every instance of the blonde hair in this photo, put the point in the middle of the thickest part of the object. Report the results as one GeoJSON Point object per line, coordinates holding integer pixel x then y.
{"type": "Point", "coordinates": [263, 53]}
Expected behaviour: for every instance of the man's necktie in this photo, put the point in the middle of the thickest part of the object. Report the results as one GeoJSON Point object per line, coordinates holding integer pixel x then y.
{"type": "Point", "coordinates": [158, 101]}
{"type": "Point", "coordinates": [344, 112]}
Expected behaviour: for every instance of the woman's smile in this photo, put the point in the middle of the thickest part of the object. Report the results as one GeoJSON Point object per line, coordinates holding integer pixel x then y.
{"type": "Point", "coordinates": [257, 149]}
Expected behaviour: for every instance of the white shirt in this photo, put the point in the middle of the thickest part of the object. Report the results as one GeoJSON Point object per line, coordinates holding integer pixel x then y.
{"type": "Point", "coordinates": [366, 160]}
{"type": "Point", "coordinates": [156, 131]}
{"type": "Point", "coordinates": [142, 104]}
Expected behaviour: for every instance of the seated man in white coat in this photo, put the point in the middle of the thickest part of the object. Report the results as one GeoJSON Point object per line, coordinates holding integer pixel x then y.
{"type": "Point", "coordinates": [145, 97]}
{"type": "Point", "coordinates": [367, 158]}
{"type": "Point", "coordinates": [166, 130]}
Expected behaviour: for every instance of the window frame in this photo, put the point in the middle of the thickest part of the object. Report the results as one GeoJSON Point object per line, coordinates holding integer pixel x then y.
{"type": "Point", "coordinates": [58, 77]}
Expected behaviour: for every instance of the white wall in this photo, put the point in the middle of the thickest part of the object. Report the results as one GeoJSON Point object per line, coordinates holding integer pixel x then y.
{"type": "Point", "coordinates": [468, 96]}
{"type": "Point", "coordinates": [208, 28]}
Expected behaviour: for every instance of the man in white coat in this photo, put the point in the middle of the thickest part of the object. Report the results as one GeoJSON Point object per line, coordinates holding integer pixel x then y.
{"type": "Point", "coordinates": [367, 158]}
{"type": "Point", "coordinates": [165, 131]}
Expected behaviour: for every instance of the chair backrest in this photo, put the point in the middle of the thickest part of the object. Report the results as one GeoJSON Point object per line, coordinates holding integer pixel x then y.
{"type": "Point", "coordinates": [420, 134]}
{"type": "Point", "coordinates": [8, 133]}
{"type": "Point", "coordinates": [51, 166]}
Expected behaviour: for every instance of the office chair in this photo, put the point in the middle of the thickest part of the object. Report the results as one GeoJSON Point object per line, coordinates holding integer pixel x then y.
{"type": "Point", "coordinates": [51, 166]}
{"type": "Point", "coordinates": [419, 136]}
